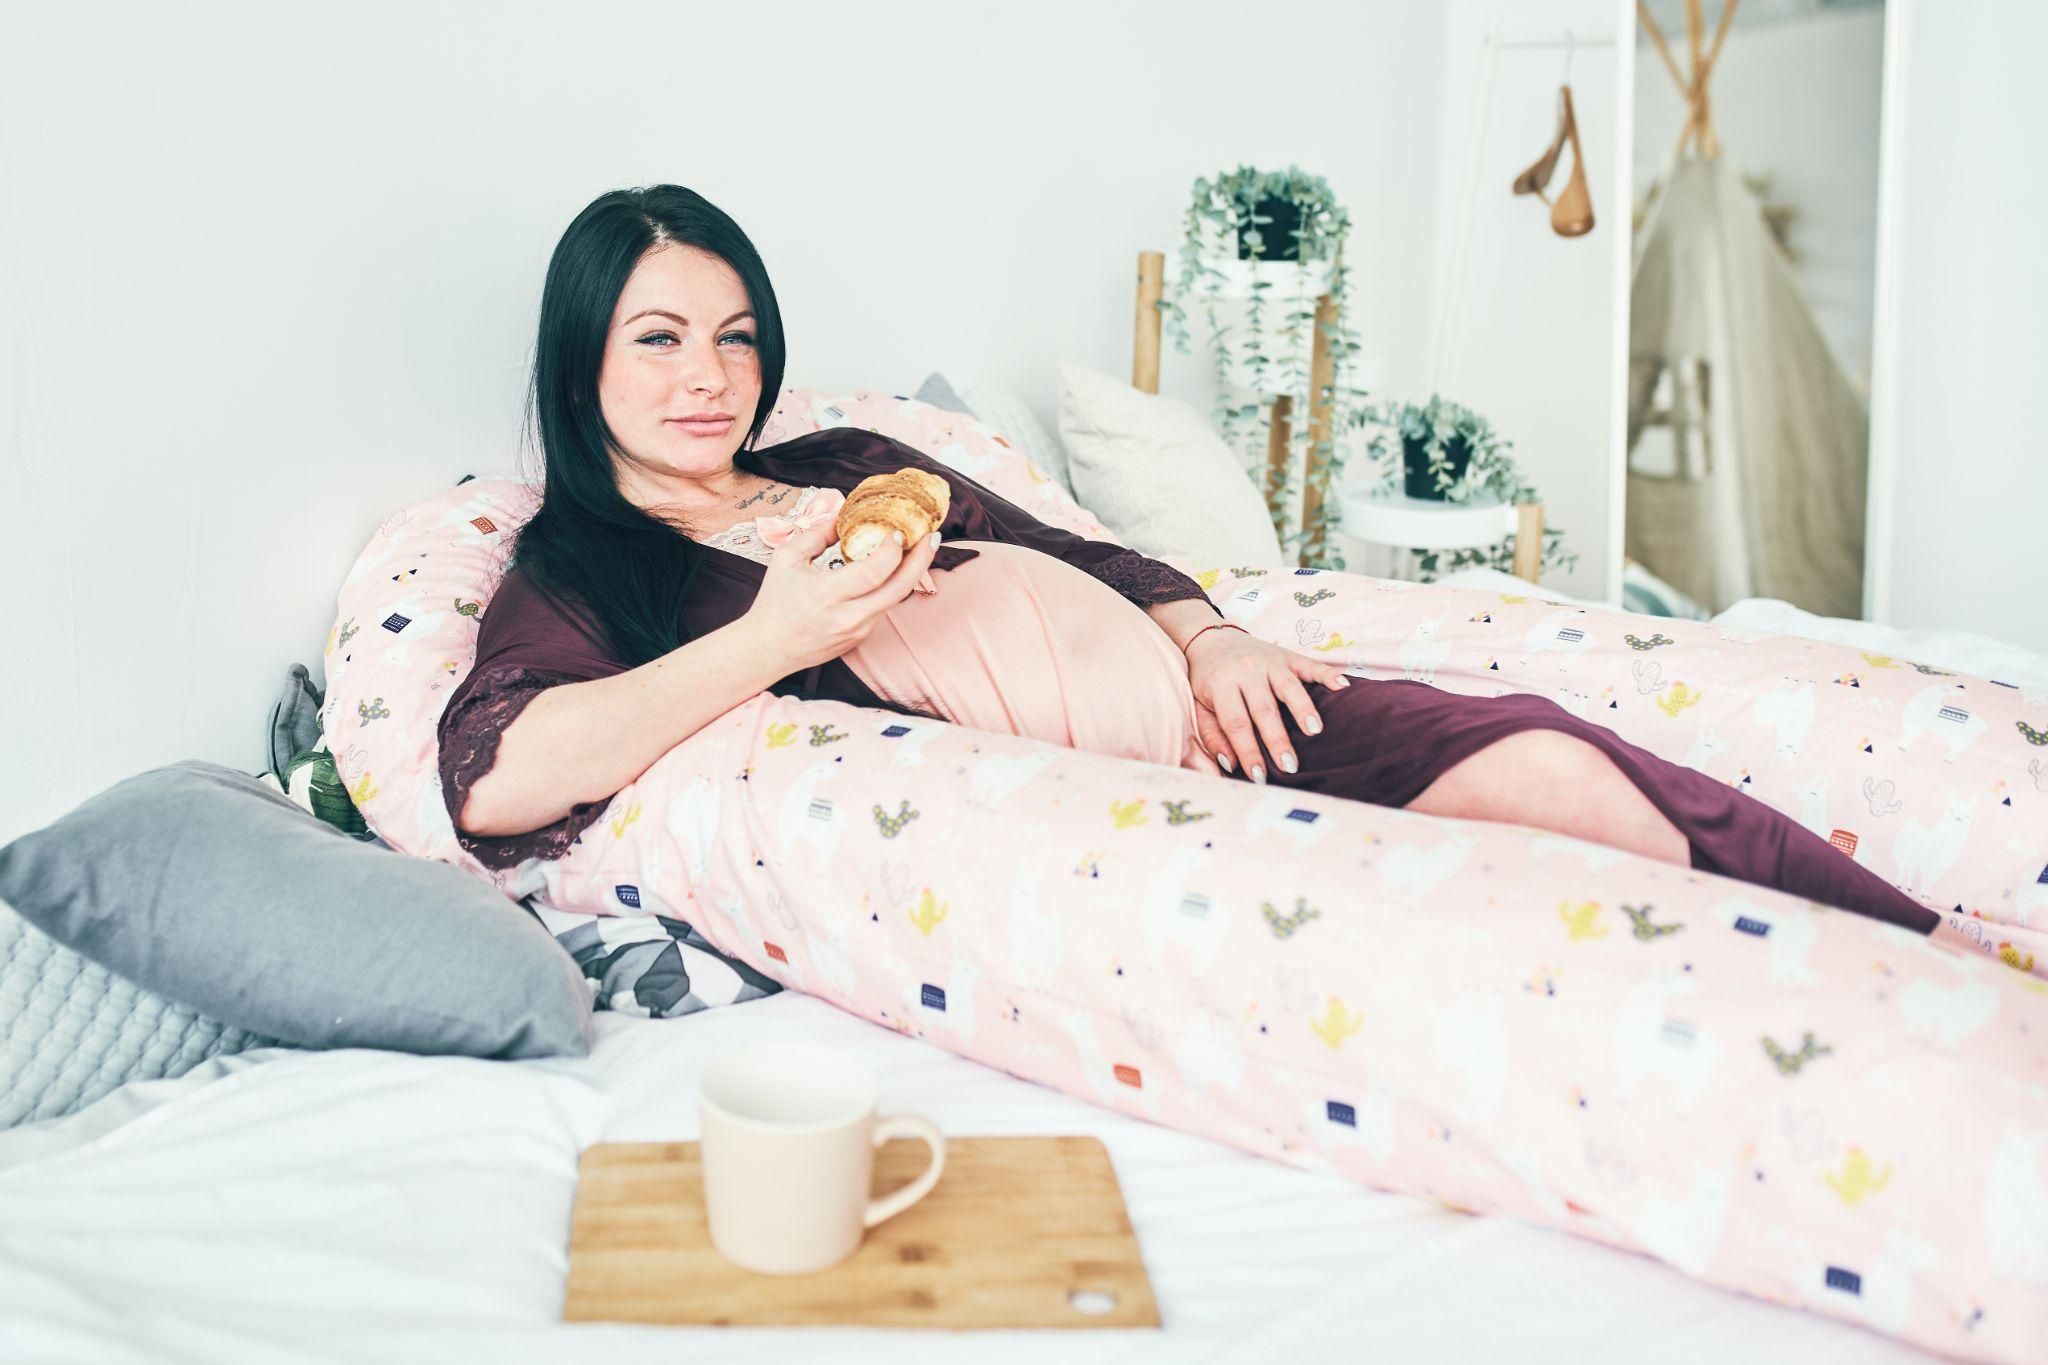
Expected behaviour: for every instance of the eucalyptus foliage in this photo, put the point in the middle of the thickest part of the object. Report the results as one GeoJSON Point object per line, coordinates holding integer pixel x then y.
{"type": "Point", "coordinates": [1219, 213]}
{"type": "Point", "coordinates": [1490, 476]}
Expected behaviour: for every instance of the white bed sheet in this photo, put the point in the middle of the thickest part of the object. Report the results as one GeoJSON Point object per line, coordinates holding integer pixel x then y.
{"type": "Point", "coordinates": [1961, 650]}
{"type": "Point", "coordinates": [1964, 651]}
{"type": "Point", "coordinates": [378, 1207]}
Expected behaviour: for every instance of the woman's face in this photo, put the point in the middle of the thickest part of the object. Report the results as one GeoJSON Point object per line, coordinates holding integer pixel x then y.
{"type": "Point", "coordinates": [681, 344]}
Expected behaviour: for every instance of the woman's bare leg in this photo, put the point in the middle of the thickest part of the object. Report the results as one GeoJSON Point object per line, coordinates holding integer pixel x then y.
{"type": "Point", "coordinates": [1386, 741]}
{"type": "Point", "coordinates": [1554, 781]}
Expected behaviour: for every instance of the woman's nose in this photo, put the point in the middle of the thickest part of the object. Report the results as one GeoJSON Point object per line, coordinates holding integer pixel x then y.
{"type": "Point", "coordinates": [703, 370]}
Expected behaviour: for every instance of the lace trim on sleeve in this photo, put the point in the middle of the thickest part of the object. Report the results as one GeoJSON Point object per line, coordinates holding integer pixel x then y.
{"type": "Point", "coordinates": [469, 735]}
{"type": "Point", "coordinates": [1148, 582]}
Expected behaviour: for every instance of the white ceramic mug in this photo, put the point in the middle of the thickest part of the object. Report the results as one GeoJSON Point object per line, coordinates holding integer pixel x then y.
{"type": "Point", "coordinates": [788, 1138]}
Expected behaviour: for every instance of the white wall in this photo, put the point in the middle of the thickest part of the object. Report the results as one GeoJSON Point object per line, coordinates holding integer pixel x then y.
{"type": "Point", "coordinates": [1797, 99]}
{"type": "Point", "coordinates": [271, 271]}
{"type": "Point", "coordinates": [1529, 337]}
{"type": "Point", "coordinates": [1966, 519]}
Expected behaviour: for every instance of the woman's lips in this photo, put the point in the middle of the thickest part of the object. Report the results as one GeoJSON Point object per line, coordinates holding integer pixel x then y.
{"type": "Point", "coordinates": [704, 428]}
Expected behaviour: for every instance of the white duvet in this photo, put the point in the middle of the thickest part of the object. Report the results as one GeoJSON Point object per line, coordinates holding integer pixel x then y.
{"type": "Point", "coordinates": [376, 1207]}
{"type": "Point", "coordinates": [1960, 650]}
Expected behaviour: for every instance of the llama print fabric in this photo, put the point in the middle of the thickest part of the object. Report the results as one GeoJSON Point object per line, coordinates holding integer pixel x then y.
{"type": "Point", "coordinates": [1785, 1100]}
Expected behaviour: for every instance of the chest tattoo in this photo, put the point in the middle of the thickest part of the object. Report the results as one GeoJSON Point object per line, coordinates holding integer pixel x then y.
{"type": "Point", "coordinates": [771, 495]}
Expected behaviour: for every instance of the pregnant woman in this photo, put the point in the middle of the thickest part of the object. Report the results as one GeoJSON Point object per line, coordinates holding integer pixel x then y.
{"type": "Point", "coordinates": [673, 570]}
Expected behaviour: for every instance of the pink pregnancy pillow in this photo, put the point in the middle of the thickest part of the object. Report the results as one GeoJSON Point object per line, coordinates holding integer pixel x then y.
{"type": "Point", "coordinates": [404, 637]}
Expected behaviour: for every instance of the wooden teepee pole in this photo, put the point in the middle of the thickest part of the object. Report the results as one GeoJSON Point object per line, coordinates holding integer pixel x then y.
{"type": "Point", "coordinates": [1657, 41]}
{"type": "Point", "coordinates": [1710, 141]}
{"type": "Point", "coordinates": [1696, 91]}
{"type": "Point", "coordinates": [1699, 119]}
{"type": "Point", "coordinates": [1721, 34]}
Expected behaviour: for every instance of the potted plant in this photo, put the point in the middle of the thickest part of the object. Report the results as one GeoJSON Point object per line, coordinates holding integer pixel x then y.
{"type": "Point", "coordinates": [1259, 250]}
{"type": "Point", "coordinates": [1450, 453]}
{"type": "Point", "coordinates": [1436, 446]}
{"type": "Point", "coordinates": [1282, 243]}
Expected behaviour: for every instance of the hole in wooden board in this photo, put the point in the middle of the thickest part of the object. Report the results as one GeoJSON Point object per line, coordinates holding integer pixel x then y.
{"type": "Point", "coordinates": [1093, 1302]}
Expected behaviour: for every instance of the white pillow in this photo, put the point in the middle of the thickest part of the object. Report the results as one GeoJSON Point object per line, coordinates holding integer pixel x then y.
{"type": "Point", "coordinates": [1155, 472]}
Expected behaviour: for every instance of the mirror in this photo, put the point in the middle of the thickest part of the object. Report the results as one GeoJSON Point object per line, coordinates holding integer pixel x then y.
{"type": "Point", "coordinates": [1751, 302]}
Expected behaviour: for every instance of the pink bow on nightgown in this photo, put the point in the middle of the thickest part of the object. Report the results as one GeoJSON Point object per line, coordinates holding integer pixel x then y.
{"type": "Point", "coordinates": [823, 507]}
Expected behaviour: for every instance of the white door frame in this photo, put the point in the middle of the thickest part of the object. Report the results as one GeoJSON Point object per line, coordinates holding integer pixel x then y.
{"type": "Point", "coordinates": [1883, 455]}
{"type": "Point", "coordinates": [1882, 466]}
{"type": "Point", "coordinates": [1623, 263]}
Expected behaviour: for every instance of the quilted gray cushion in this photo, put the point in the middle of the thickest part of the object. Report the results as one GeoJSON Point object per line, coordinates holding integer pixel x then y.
{"type": "Point", "coordinates": [201, 884]}
{"type": "Point", "coordinates": [71, 1031]}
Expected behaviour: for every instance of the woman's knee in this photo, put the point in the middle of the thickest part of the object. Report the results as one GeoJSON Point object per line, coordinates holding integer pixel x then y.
{"type": "Point", "coordinates": [1514, 778]}
{"type": "Point", "coordinates": [1584, 793]}
{"type": "Point", "coordinates": [1554, 781]}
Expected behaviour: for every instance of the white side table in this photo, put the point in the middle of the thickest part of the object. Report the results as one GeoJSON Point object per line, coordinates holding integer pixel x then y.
{"type": "Point", "coordinates": [1394, 519]}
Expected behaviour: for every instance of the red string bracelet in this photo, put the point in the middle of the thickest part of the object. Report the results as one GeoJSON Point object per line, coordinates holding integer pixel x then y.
{"type": "Point", "coordinates": [1220, 625]}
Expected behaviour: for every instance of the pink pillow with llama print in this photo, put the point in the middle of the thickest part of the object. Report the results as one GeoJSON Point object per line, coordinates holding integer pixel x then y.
{"type": "Point", "coordinates": [1504, 1020]}
{"type": "Point", "coordinates": [403, 639]}
{"type": "Point", "coordinates": [954, 439]}
{"type": "Point", "coordinates": [1512, 1023]}
{"type": "Point", "coordinates": [1931, 779]}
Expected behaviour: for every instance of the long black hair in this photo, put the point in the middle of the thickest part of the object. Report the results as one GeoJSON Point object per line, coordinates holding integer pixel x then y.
{"type": "Point", "coordinates": [588, 547]}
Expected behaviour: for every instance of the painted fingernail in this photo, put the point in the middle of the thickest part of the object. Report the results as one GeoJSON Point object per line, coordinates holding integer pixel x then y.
{"type": "Point", "coordinates": [1258, 773]}
{"type": "Point", "coordinates": [1287, 762]}
{"type": "Point", "coordinates": [898, 535]}
{"type": "Point", "coordinates": [935, 540]}
{"type": "Point", "coordinates": [1223, 762]}
{"type": "Point", "coordinates": [1314, 726]}
{"type": "Point", "coordinates": [1342, 682]}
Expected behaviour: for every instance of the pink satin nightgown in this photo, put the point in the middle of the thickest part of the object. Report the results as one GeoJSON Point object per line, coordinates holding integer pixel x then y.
{"type": "Point", "coordinates": [1016, 642]}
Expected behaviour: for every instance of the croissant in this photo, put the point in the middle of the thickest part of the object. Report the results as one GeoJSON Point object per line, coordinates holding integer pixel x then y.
{"type": "Point", "coordinates": [910, 501]}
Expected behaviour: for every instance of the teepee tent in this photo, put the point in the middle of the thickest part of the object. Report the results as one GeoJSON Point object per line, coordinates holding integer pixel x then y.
{"type": "Point", "coordinates": [1747, 442]}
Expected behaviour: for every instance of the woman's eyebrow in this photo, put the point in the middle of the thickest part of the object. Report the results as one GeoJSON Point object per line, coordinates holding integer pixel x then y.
{"type": "Point", "coordinates": [681, 320]}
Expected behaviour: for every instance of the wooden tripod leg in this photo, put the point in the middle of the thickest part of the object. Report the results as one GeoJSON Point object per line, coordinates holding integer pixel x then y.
{"type": "Point", "coordinates": [1276, 449]}
{"type": "Point", "coordinates": [1321, 372]}
{"type": "Point", "coordinates": [1529, 540]}
{"type": "Point", "coordinates": [1145, 334]}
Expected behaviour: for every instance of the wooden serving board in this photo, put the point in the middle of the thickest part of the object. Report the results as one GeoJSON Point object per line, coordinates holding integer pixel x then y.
{"type": "Point", "coordinates": [1014, 1227]}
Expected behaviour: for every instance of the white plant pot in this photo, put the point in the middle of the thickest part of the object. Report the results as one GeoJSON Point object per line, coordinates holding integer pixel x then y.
{"type": "Point", "coordinates": [1288, 300]}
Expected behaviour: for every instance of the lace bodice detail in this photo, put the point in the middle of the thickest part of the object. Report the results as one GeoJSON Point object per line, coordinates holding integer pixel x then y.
{"type": "Point", "coordinates": [744, 537]}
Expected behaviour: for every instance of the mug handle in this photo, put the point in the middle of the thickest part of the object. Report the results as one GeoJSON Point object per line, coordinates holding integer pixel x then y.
{"type": "Point", "coordinates": [907, 1125]}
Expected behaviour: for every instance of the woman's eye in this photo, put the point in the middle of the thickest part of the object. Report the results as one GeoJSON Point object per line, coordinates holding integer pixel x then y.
{"type": "Point", "coordinates": [662, 339]}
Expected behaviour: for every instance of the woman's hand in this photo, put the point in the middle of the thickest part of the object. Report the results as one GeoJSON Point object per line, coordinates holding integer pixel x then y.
{"type": "Point", "coordinates": [1240, 684]}
{"type": "Point", "coordinates": [806, 615]}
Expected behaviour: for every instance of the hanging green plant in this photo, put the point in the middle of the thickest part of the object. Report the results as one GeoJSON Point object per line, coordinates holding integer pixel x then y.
{"type": "Point", "coordinates": [1243, 230]}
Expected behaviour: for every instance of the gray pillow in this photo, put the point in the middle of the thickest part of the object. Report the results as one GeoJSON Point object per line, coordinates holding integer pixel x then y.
{"type": "Point", "coordinates": [939, 393]}
{"type": "Point", "coordinates": [203, 885]}
{"type": "Point", "coordinates": [294, 719]}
